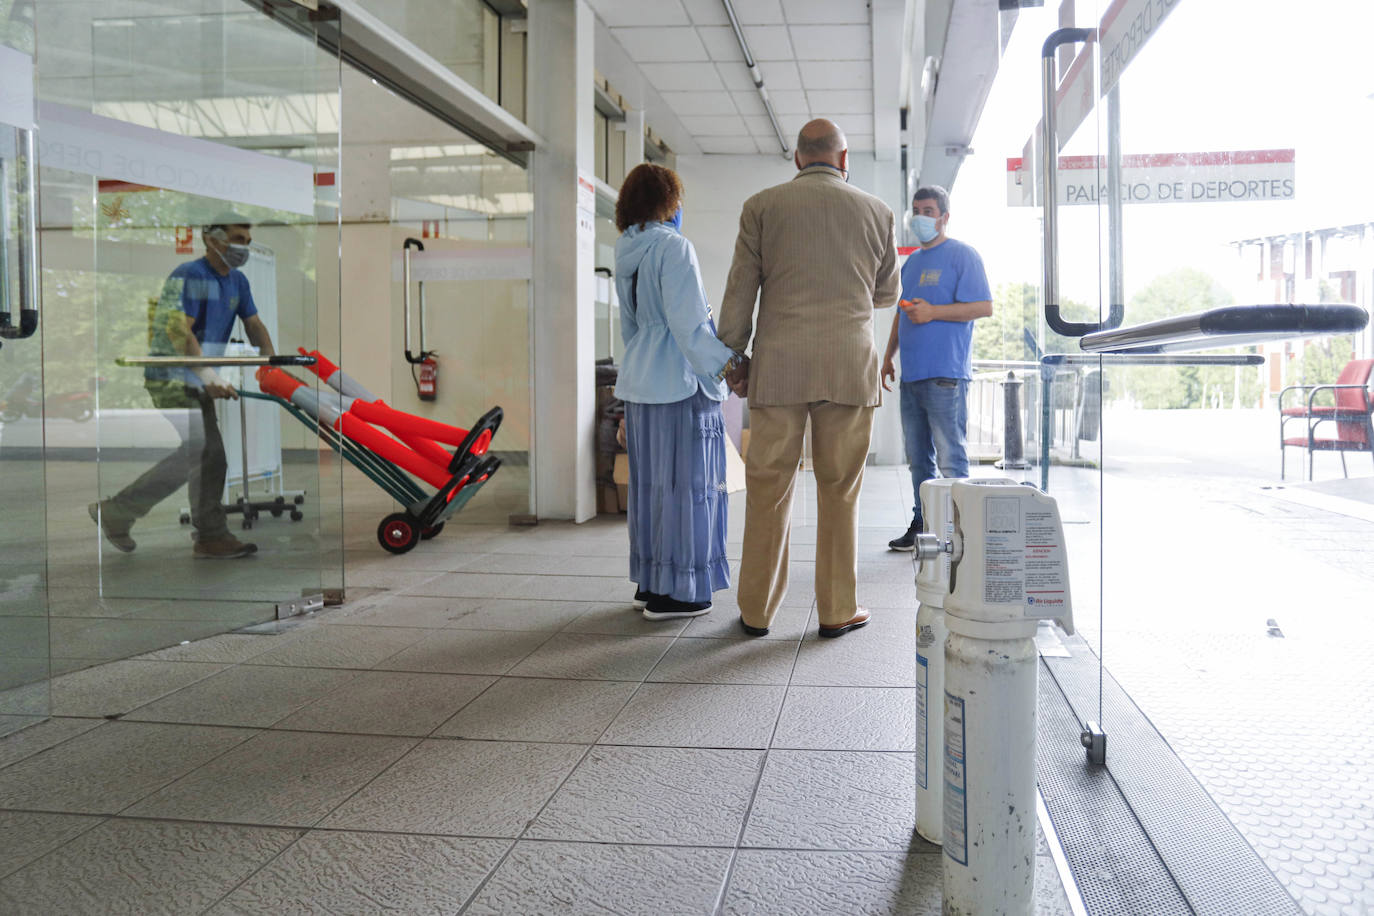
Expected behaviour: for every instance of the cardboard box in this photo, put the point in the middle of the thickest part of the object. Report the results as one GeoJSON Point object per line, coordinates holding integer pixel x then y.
{"type": "Point", "coordinates": [607, 499]}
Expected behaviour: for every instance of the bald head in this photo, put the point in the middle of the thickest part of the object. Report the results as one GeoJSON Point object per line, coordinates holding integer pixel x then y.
{"type": "Point", "coordinates": [821, 141]}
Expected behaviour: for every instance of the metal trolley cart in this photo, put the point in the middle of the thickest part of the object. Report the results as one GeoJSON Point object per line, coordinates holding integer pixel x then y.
{"type": "Point", "coordinates": [425, 514]}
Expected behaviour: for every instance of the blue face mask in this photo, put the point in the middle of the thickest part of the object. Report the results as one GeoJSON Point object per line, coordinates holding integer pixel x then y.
{"type": "Point", "coordinates": [924, 227]}
{"type": "Point", "coordinates": [676, 220]}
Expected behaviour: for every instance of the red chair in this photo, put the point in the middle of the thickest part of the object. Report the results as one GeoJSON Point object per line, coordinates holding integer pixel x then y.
{"type": "Point", "coordinates": [1351, 413]}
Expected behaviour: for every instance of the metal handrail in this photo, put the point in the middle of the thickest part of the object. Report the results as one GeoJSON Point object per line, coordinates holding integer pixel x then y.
{"type": "Point", "coordinates": [1231, 326]}
{"type": "Point", "coordinates": [197, 362]}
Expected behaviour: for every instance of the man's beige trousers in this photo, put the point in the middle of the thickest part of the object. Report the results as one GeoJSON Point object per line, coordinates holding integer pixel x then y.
{"type": "Point", "coordinates": [839, 448]}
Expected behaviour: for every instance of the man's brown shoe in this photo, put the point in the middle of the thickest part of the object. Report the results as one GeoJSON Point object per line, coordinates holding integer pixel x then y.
{"type": "Point", "coordinates": [859, 619]}
{"type": "Point", "coordinates": [115, 529]}
{"type": "Point", "coordinates": [223, 548]}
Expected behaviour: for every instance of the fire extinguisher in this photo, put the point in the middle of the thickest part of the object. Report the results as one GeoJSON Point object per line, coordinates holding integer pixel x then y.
{"type": "Point", "coordinates": [427, 382]}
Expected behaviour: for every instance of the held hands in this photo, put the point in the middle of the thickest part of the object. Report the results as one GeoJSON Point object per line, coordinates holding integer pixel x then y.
{"type": "Point", "coordinates": [737, 377]}
{"type": "Point", "coordinates": [918, 310]}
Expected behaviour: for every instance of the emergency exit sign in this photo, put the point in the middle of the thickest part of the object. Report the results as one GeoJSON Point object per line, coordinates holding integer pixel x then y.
{"type": "Point", "coordinates": [1165, 178]}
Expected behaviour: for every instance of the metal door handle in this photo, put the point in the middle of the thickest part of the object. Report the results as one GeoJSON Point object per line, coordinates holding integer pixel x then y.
{"type": "Point", "coordinates": [29, 276]}
{"type": "Point", "coordinates": [1049, 181]}
{"type": "Point", "coordinates": [405, 302]}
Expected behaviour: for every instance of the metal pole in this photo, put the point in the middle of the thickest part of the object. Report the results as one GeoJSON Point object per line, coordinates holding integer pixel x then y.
{"type": "Point", "coordinates": [1115, 205]}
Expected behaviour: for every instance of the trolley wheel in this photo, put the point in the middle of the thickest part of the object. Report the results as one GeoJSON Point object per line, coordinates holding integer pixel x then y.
{"type": "Point", "coordinates": [184, 518]}
{"type": "Point", "coordinates": [276, 513]}
{"type": "Point", "coordinates": [297, 515]}
{"type": "Point", "coordinates": [398, 532]}
{"type": "Point", "coordinates": [432, 531]}
{"type": "Point", "coordinates": [300, 499]}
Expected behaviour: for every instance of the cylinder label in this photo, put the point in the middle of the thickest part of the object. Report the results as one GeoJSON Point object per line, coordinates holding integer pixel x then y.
{"type": "Point", "coordinates": [922, 716]}
{"type": "Point", "coordinates": [1046, 570]}
{"type": "Point", "coordinates": [1004, 538]}
{"type": "Point", "coordinates": [956, 799]}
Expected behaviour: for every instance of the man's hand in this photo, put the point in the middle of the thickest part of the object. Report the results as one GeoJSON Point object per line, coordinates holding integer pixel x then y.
{"type": "Point", "coordinates": [221, 391]}
{"type": "Point", "coordinates": [738, 378]}
{"type": "Point", "coordinates": [918, 310]}
{"type": "Point", "coordinates": [889, 373]}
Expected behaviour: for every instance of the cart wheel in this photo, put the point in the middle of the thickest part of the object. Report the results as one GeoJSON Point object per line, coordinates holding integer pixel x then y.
{"type": "Point", "coordinates": [432, 531]}
{"type": "Point", "coordinates": [299, 500]}
{"type": "Point", "coordinates": [185, 518]}
{"type": "Point", "coordinates": [276, 513]}
{"type": "Point", "coordinates": [297, 515]}
{"type": "Point", "coordinates": [398, 532]}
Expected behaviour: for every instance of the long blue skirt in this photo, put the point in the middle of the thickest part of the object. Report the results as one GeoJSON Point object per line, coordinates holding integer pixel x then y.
{"type": "Point", "coordinates": [678, 502]}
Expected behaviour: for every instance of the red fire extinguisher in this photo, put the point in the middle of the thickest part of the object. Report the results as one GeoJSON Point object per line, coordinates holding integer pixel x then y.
{"type": "Point", "coordinates": [427, 383]}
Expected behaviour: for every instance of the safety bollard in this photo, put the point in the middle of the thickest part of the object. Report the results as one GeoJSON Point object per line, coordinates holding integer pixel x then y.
{"type": "Point", "coordinates": [1013, 447]}
{"type": "Point", "coordinates": [1008, 571]}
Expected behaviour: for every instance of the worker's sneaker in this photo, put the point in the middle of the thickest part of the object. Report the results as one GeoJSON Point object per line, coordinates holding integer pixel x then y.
{"type": "Point", "coordinates": [227, 547]}
{"type": "Point", "coordinates": [662, 607]}
{"type": "Point", "coordinates": [113, 524]}
{"type": "Point", "coordinates": [908, 540]}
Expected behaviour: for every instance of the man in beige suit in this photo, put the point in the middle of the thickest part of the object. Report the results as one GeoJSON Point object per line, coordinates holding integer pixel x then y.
{"type": "Point", "coordinates": [820, 256]}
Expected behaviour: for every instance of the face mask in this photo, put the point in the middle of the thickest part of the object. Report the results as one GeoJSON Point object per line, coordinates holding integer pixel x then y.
{"type": "Point", "coordinates": [676, 220]}
{"type": "Point", "coordinates": [235, 255]}
{"type": "Point", "coordinates": [924, 227]}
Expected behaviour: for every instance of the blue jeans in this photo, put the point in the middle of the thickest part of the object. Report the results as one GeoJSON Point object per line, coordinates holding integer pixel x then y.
{"type": "Point", "coordinates": [934, 428]}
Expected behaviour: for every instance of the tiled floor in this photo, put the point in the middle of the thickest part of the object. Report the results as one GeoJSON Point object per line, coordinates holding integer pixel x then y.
{"type": "Point", "coordinates": [489, 728]}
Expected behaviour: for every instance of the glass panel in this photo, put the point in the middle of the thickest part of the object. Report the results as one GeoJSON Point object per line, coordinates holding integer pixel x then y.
{"type": "Point", "coordinates": [23, 527]}
{"type": "Point", "coordinates": [176, 141]}
{"type": "Point", "coordinates": [469, 208]}
{"type": "Point", "coordinates": [463, 35]}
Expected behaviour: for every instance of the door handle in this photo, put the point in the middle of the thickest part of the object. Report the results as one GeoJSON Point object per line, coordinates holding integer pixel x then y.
{"type": "Point", "coordinates": [29, 276]}
{"type": "Point", "coordinates": [1049, 182]}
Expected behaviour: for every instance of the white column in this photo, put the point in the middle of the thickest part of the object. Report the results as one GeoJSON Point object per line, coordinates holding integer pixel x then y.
{"type": "Point", "coordinates": [563, 456]}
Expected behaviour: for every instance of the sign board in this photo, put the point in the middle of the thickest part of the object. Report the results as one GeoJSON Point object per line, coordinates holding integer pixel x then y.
{"type": "Point", "coordinates": [1125, 28]}
{"type": "Point", "coordinates": [16, 88]}
{"type": "Point", "coordinates": [1224, 177]}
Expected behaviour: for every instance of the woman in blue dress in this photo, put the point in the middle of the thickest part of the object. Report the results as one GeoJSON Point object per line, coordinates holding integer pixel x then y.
{"type": "Point", "coordinates": [671, 380]}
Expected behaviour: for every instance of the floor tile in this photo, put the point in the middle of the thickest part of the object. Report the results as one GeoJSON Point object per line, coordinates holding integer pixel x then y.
{"type": "Point", "coordinates": [586, 879]}
{"type": "Point", "coordinates": [540, 709]}
{"type": "Point", "coordinates": [344, 872]}
{"type": "Point", "coordinates": [723, 622]}
{"type": "Point", "coordinates": [105, 770]}
{"type": "Point", "coordinates": [882, 654]}
{"type": "Point", "coordinates": [527, 613]}
{"type": "Point", "coordinates": [621, 619]}
{"type": "Point", "coordinates": [25, 836]}
{"type": "Point", "coordinates": [465, 788]}
{"type": "Point", "coordinates": [466, 652]}
{"type": "Point", "coordinates": [834, 800]}
{"type": "Point", "coordinates": [698, 715]}
{"type": "Point", "coordinates": [290, 779]}
{"type": "Point", "coordinates": [727, 661]}
{"type": "Point", "coordinates": [116, 688]}
{"type": "Point", "coordinates": [471, 585]}
{"type": "Point", "coordinates": [667, 796]}
{"type": "Point", "coordinates": [143, 867]}
{"type": "Point", "coordinates": [579, 588]}
{"type": "Point", "coordinates": [801, 883]}
{"type": "Point", "coordinates": [342, 647]}
{"type": "Point", "coordinates": [606, 658]}
{"type": "Point", "coordinates": [40, 737]}
{"type": "Point", "coordinates": [389, 703]}
{"type": "Point", "coordinates": [244, 695]}
{"type": "Point", "coordinates": [848, 718]}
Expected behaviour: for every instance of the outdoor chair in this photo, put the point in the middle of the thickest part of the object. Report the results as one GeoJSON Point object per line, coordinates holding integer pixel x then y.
{"type": "Point", "coordinates": [1351, 413]}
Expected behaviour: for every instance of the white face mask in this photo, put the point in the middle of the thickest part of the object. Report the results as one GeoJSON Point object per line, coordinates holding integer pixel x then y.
{"type": "Point", "coordinates": [235, 255]}
{"type": "Point", "coordinates": [924, 227]}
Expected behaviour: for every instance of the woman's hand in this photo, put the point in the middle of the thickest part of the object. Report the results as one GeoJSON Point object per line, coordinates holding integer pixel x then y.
{"type": "Point", "coordinates": [738, 377]}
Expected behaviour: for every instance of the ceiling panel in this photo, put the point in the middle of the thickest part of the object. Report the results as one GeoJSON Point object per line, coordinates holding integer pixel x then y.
{"type": "Point", "coordinates": [789, 101]}
{"type": "Point", "coordinates": [825, 11]}
{"type": "Point", "coordinates": [766, 42]}
{"type": "Point", "coordinates": [700, 103]}
{"type": "Point", "coordinates": [656, 45]}
{"type": "Point", "coordinates": [856, 101]}
{"type": "Point", "coordinates": [685, 76]}
{"type": "Point", "coordinates": [759, 125]}
{"type": "Point", "coordinates": [777, 74]}
{"type": "Point", "coordinates": [860, 143]}
{"type": "Point", "coordinates": [836, 74]}
{"type": "Point", "coordinates": [832, 42]}
{"type": "Point", "coordinates": [749, 103]}
{"type": "Point", "coordinates": [749, 12]}
{"type": "Point", "coordinates": [729, 145]}
{"type": "Point", "coordinates": [715, 126]}
{"type": "Point", "coordinates": [617, 13]}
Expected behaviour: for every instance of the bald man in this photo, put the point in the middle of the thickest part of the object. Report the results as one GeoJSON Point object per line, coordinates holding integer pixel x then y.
{"type": "Point", "coordinates": [819, 256]}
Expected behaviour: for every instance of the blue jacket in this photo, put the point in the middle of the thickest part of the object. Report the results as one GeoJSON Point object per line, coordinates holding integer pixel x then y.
{"type": "Point", "coordinates": [671, 348]}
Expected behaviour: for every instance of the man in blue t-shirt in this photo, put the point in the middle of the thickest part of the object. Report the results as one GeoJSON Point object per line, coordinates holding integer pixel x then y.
{"type": "Point", "coordinates": [944, 289]}
{"type": "Point", "coordinates": [194, 316]}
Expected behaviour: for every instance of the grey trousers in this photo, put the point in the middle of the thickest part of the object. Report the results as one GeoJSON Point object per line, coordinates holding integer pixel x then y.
{"type": "Point", "coordinates": [199, 462]}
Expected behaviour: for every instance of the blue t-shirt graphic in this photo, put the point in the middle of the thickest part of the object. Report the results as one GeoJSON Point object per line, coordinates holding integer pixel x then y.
{"type": "Point", "coordinates": [948, 273]}
{"type": "Point", "coordinates": [212, 302]}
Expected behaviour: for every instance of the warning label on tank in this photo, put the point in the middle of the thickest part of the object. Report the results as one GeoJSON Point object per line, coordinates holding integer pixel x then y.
{"type": "Point", "coordinates": [922, 714]}
{"type": "Point", "coordinates": [1046, 570]}
{"type": "Point", "coordinates": [956, 799]}
{"type": "Point", "coordinates": [1004, 538]}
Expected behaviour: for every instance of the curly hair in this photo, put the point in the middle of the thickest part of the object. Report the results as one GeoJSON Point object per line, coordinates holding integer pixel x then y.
{"type": "Point", "coordinates": [650, 194]}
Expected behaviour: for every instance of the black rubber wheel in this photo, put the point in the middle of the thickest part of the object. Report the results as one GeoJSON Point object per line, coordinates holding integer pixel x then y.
{"type": "Point", "coordinates": [276, 513]}
{"type": "Point", "coordinates": [485, 428]}
{"type": "Point", "coordinates": [299, 500]}
{"type": "Point", "coordinates": [432, 531]}
{"type": "Point", "coordinates": [296, 516]}
{"type": "Point", "coordinates": [398, 532]}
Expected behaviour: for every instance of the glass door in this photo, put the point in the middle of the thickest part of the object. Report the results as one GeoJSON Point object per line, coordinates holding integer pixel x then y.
{"type": "Point", "coordinates": [189, 156]}
{"type": "Point", "coordinates": [23, 526]}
